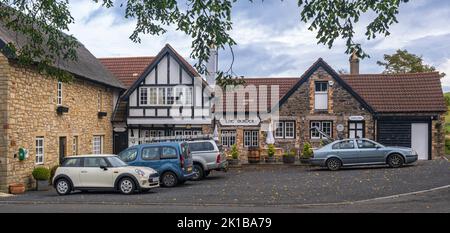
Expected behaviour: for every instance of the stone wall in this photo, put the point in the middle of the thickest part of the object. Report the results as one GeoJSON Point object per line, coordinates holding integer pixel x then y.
{"type": "Point", "coordinates": [3, 116]}
{"type": "Point", "coordinates": [31, 108]}
{"type": "Point", "coordinates": [438, 137]}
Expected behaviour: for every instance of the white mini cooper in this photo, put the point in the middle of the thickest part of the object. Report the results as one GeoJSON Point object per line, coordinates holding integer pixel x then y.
{"type": "Point", "coordinates": [102, 172]}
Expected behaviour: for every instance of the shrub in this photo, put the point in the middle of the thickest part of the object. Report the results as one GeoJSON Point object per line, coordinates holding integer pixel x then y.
{"type": "Point", "coordinates": [307, 151]}
{"type": "Point", "coordinates": [52, 172]}
{"type": "Point", "coordinates": [234, 152]}
{"type": "Point", "coordinates": [271, 150]}
{"type": "Point", "coordinates": [447, 146]}
{"type": "Point", "coordinates": [41, 173]}
{"type": "Point", "coordinates": [289, 153]}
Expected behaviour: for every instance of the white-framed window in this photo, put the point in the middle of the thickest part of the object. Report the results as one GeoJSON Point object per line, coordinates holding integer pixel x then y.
{"type": "Point", "coordinates": [97, 145]}
{"type": "Point", "coordinates": [324, 126]}
{"type": "Point", "coordinates": [75, 145]}
{"type": "Point", "coordinates": [162, 96]}
{"type": "Point", "coordinates": [321, 96]}
{"type": "Point", "coordinates": [251, 138]}
{"type": "Point", "coordinates": [170, 96]}
{"type": "Point", "coordinates": [59, 93]}
{"type": "Point", "coordinates": [99, 101]}
{"type": "Point", "coordinates": [279, 131]}
{"type": "Point", "coordinates": [285, 129]}
{"type": "Point", "coordinates": [289, 129]}
{"type": "Point", "coordinates": [153, 95]}
{"type": "Point", "coordinates": [39, 150]}
{"type": "Point", "coordinates": [143, 92]}
{"type": "Point", "coordinates": [187, 133]}
{"type": "Point", "coordinates": [228, 138]}
{"type": "Point", "coordinates": [188, 96]}
{"type": "Point", "coordinates": [178, 132]}
{"type": "Point", "coordinates": [355, 129]}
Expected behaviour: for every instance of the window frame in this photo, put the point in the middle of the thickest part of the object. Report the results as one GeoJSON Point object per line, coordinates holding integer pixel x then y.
{"type": "Point", "coordinates": [363, 129]}
{"type": "Point", "coordinates": [101, 137]}
{"type": "Point", "coordinates": [251, 136]}
{"type": "Point", "coordinates": [320, 92]}
{"type": "Point", "coordinates": [59, 94]}
{"type": "Point", "coordinates": [75, 145]}
{"type": "Point", "coordinates": [143, 100]}
{"type": "Point", "coordinates": [39, 150]}
{"type": "Point", "coordinates": [321, 128]}
{"type": "Point", "coordinates": [229, 136]}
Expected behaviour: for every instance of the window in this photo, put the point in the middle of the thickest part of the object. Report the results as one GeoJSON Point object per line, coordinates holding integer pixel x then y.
{"type": "Point", "coordinates": [128, 155]}
{"type": "Point", "coordinates": [59, 94]}
{"type": "Point", "coordinates": [75, 145]}
{"type": "Point", "coordinates": [170, 97]}
{"type": "Point", "coordinates": [187, 133]}
{"type": "Point", "coordinates": [97, 145]}
{"type": "Point", "coordinates": [75, 162]}
{"type": "Point", "coordinates": [228, 137]}
{"type": "Point", "coordinates": [99, 101]}
{"type": "Point", "coordinates": [346, 145]}
{"type": "Point", "coordinates": [150, 153]}
{"type": "Point", "coordinates": [178, 132]}
{"type": "Point", "coordinates": [356, 129]}
{"type": "Point", "coordinates": [324, 126]}
{"type": "Point", "coordinates": [153, 95]}
{"type": "Point", "coordinates": [39, 150]}
{"type": "Point", "coordinates": [169, 153]}
{"type": "Point", "coordinates": [251, 138]}
{"type": "Point", "coordinates": [321, 96]}
{"type": "Point", "coordinates": [279, 131]}
{"type": "Point", "coordinates": [179, 95]}
{"type": "Point", "coordinates": [201, 146]}
{"type": "Point", "coordinates": [289, 129]}
{"type": "Point", "coordinates": [188, 96]}
{"type": "Point", "coordinates": [161, 95]}
{"type": "Point", "coordinates": [94, 162]}
{"type": "Point", "coordinates": [364, 144]}
{"type": "Point", "coordinates": [144, 96]}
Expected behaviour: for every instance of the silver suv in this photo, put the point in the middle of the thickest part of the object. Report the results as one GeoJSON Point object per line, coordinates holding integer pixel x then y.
{"type": "Point", "coordinates": [207, 157]}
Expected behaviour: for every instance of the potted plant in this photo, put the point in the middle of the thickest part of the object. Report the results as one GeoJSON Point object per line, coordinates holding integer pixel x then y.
{"type": "Point", "coordinates": [16, 188]}
{"type": "Point", "coordinates": [234, 155]}
{"type": "Point", "coordinates": [42, 176]}
{"type": "Point", "coordinates": [270, 154]}
{"type": "Point", "coordinates": [289, 156]}
{"type": "Point", "coordinates": [306, 154]}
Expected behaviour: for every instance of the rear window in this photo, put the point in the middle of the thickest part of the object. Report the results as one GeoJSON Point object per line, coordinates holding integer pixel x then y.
{"type": "Point", "coordinates": [201, 146]}
{"type": "Point", "coordinates": [75, 162]}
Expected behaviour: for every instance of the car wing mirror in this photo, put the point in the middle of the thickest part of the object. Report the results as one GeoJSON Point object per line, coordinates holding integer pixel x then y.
{"type": "Point", "coordinates": [104, 168]}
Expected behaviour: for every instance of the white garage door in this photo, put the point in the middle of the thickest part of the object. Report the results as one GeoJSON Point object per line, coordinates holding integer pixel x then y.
{"type": "Point", "coordinates": [419, 139]}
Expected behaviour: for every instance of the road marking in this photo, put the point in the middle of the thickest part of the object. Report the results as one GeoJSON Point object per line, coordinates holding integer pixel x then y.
{"type": "Point", "coordinates": [231, 204]}
{"type": "Point", "coordinates": [6, 195]}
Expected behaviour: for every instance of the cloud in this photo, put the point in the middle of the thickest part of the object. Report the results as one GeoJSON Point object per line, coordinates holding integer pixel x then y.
{"type": "Point", "coordinates": [272, 41]}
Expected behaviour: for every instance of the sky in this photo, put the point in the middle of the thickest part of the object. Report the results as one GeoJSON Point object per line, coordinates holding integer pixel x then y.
{"type": "Point", "coordinates": [271, 39]}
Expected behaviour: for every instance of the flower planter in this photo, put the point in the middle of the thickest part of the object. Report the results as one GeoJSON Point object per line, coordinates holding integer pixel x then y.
{"type": "Point", "coordinates": [233, 162]}
{"type": "Point", "coordinates": [253, 155]}
{"type": "Point", "coordinates": [42, 185]}
{"type": "Point", "coordinates": [288, 159]}
{"type": "Point", "coordinates": [270, 159]}
{"type": "Point", "coordinates": [304, 160]}
{"type": "Point", "coordinates": [17, 188]}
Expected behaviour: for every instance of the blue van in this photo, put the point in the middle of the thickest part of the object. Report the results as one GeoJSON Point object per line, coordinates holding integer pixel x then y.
{"type": "Point", "coordinates": [172, 160]}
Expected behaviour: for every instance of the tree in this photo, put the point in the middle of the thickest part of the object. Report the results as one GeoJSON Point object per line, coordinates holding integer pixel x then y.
{"type": "Point", "coordinates": [207, 22]}
{"type": "Point", "coordinates": [404, 62]}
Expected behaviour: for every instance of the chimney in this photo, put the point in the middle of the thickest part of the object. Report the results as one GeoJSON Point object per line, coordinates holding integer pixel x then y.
{"type": "Point", "coordinates": [354, 63]}
{"type": "Point", "coordinates": [212, 66]}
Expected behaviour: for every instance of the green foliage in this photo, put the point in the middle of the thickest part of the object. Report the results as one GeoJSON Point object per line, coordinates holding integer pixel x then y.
{"type": "Point", "coordinates": [307, 151]}
{"type": "Point", "coordinates": [447, 99]}
{"type": "Point", "coordinates": [447, 146]}
{"type": "Point", "coordinates": [271, 150]}
{"type": "Point", "coordinates": [41, 173]}
{"type": "Point", "coordinates": [404, 62]}
{"type": "Point", "coordinates": [234, 152]}
{"type": "Point", "coordinates": [207, 22]}
{"type": "Point", "coordinates": [289, 153]}
{"type": "Point", "coordinates": [52, 172]}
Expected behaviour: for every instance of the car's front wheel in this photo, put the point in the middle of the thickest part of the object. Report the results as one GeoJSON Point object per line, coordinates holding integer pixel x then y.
{"type": "Point", "coordinates": [126, 185]}
{"type": "Point", "coordinates": [395, 160]}
{"type": "Point", "coordinates": [334, 164]}
{"type": "Point", "coordinates": [198, 172]}
{"type": "Point", "coordinates": [63, 186]}
{"type": "Point", "coordinates": [169, 179]}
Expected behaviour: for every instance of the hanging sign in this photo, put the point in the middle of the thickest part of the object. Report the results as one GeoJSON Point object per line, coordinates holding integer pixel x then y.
{"type": "Point", "coordinates": [356, 118]}
{"type": "Point", "coordinates": [243, 122]}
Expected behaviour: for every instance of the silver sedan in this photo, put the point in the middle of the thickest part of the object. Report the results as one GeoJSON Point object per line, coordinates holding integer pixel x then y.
{"type": "Point", "coordinates": [351, 152]}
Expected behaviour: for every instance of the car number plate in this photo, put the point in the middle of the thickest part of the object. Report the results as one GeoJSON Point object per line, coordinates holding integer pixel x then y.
{"type": "Point", "coordinates": [155, 179]}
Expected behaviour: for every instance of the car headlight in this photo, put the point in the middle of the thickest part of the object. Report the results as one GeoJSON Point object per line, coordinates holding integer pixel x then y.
{"type": "Point", "coordinates": [139, 172]}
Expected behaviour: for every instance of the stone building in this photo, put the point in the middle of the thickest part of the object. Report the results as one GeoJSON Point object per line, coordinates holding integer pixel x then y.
{"type": "Point", "coordinates": [51, 119]}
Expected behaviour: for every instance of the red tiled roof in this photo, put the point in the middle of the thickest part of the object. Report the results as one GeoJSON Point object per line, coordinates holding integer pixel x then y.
{"type": "Point", "coordinates": [417, 92]}
{"type": "Point", "coordinates": [126, 69]}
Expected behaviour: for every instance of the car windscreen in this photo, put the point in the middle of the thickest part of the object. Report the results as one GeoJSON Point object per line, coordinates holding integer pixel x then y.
{"type": "Point", "coordinates": [116, 162]}
{"type": "Point", "coordinates": [201, 146]}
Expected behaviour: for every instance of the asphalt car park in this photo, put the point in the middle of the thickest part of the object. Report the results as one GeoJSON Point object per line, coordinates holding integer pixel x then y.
{"type": "Point", "coordinates": [267, 185]}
